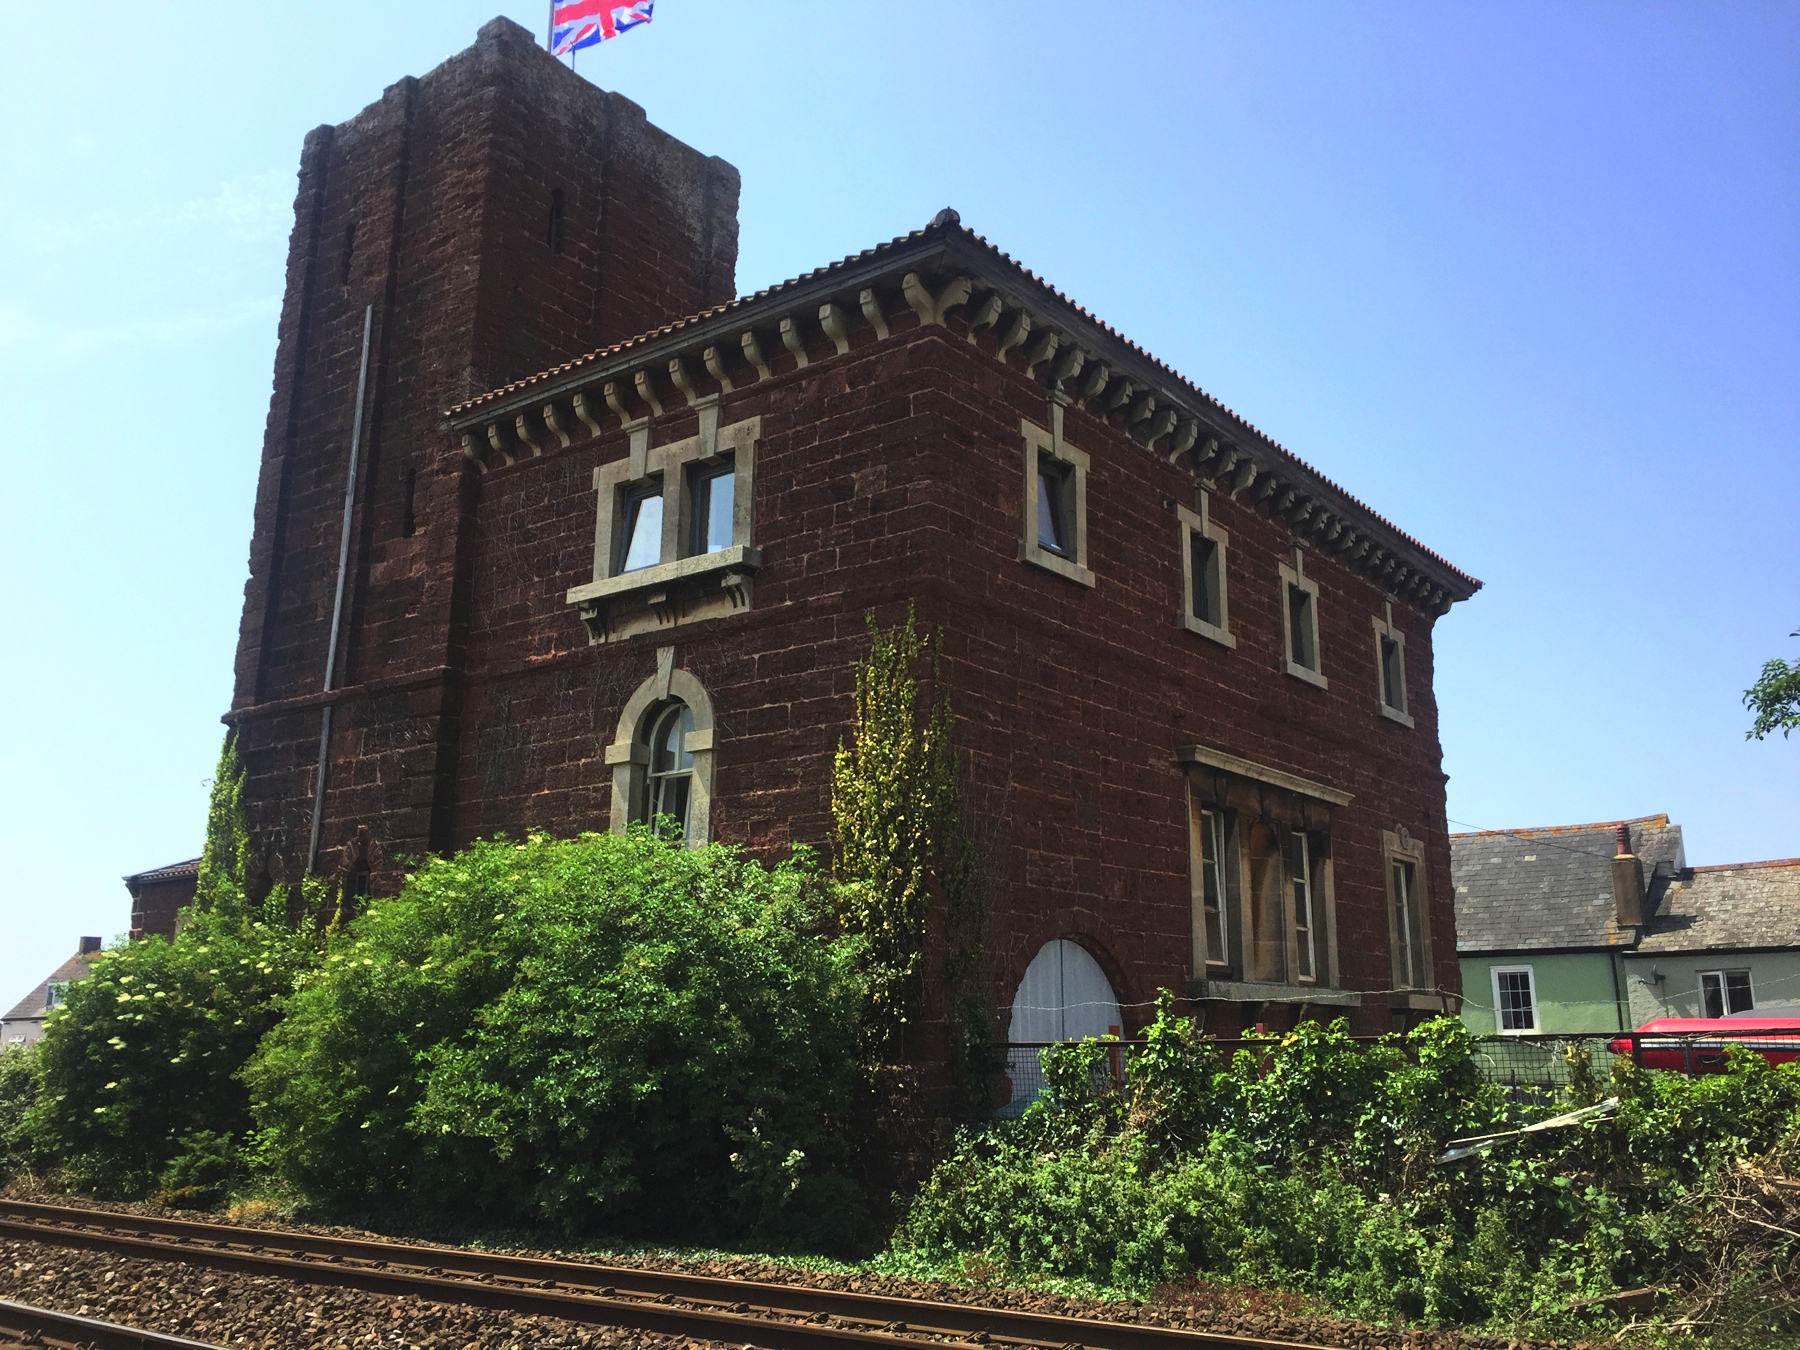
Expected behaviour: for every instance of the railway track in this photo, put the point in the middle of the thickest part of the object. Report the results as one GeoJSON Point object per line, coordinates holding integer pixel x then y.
{"type": "Point", "coordinates": [23, 1325]}
{"type": "Point", "coordinates": [736, 1312]}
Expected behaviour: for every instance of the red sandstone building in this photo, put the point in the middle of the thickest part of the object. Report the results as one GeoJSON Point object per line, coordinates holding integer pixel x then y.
{"type": "Point", "coordinates": [610, 536]}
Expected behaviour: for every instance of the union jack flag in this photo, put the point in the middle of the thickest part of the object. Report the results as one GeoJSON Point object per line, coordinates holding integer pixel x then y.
{"type": "Point", "coordinates": [575, 24]}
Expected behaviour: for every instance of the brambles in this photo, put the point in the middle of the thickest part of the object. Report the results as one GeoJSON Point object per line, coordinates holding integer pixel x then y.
{"type": "Point", "coordinates": [1308, 1167]}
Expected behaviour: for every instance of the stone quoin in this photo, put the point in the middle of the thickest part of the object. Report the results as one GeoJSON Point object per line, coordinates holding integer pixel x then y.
{"type": "Point", "coordinates": [613, 534]}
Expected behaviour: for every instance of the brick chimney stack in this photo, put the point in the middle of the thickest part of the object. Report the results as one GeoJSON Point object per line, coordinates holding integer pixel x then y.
{"type": "Point", "coordinates": [1628, 883]}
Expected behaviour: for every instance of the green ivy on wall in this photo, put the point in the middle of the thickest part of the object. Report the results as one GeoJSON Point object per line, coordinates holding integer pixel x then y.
{"type": "Point", "coordinates": [896, 806]}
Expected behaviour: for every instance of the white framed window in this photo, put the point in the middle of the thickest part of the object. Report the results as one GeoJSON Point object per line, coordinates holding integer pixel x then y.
{"type": "Point", "coordinates": [1300, 622]}
{"type": "Point", "coordinates": [662, 754]}
{"type": "Point", "coordinates": [54, 994]}
{"type": "Point", "coordinates": [1207, 830]}
{"type": "Point", "coordinates": [1390, 667]}
{"type": "Point", "coordinates": [670, 776]}
{"type": "Point", "coordinates": [1409, 935]}
{"type": "Point", "coordinates": [1515, 999]}
{"type": "Point", "coordinates": [1303, 909]}
{"type": "Point", "coordinates": [1055, 517]}
{"type": "Point", "coordinates": [1203, 596]}
{"type": "Point", "coordinates": [673, 530]}
{"type": "Point", "coordinates": [1724, 992]}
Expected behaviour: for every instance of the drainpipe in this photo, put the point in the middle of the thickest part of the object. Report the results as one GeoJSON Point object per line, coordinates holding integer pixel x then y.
{"type": "Point", "coordinates": [337, 604]}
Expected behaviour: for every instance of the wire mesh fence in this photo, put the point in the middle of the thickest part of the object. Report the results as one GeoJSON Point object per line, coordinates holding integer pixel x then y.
{"type": "Point", "coordinates": [1531, 1066]}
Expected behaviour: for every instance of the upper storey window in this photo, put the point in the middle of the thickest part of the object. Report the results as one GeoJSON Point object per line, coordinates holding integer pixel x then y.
{"type": "Point", "coordinates": [673, 532]}
{"type": "Point", "coordinates": [1390, 666]}
{"type": "Point", "coordinates": [712, 500]}
{"type": "Point", "coordinates": [640, 538]}
{"type": "Point", "coordinates": [1203, 599]}
{"type": "Point", "coordinates": [1300, 621]}
{"type": "Point", "coordinates": [1055, 536]}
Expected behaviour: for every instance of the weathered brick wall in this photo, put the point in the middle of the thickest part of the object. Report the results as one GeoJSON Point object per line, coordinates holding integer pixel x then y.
{"type": "Point", "coordinates": [434, 204]}
{"type": "Point", "coordinates": [888, 476]}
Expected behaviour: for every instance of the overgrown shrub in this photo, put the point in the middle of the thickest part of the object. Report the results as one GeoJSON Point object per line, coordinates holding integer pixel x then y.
{"type": "Point", "coordinates": [615, 1030]}
{"type": "Point", "coordinates": [1308, 1163]}
{"type": "Point", "coordinates": [147, 1049]}
{"type": "Point", "coordinates": [19, 1149]}
{"type": "Point", "coordinates": [144, 1055]}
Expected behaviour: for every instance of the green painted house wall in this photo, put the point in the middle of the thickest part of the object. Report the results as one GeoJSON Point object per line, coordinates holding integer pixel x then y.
{"type": "Point", "coordinates": [1576, 991]}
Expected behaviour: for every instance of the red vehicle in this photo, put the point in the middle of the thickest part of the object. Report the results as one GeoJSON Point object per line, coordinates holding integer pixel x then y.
{"type": "Point", "coordinates": [1697, 1044]}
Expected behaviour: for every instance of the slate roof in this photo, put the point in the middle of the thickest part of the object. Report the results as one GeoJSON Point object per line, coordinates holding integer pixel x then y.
{"type": "Point", "coordinates": [1551, 889]}
{"type": "Point", "coordinates": [1738, 905]}
{"type": "Point", "coordinates": [31, 1007]}
{"type": "Point", "coordinates": [946, 227]}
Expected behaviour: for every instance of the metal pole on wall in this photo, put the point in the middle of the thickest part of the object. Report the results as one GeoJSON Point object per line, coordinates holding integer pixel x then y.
{"type": "Point", "coordinates": [337, 603]}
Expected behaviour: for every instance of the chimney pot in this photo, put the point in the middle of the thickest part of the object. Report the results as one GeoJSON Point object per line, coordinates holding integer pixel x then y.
{"type": "Point", "coordinates": [1623, 834]}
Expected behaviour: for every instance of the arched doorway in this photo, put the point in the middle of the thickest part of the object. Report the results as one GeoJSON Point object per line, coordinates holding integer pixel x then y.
{"type": "Point", "coordinates": [1064, 996]}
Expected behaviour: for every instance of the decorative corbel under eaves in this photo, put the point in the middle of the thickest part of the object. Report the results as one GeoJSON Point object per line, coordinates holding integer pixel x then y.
{"type": "Point", "coordinates": [714, 361]}
{"type": "Point", "coordinates": [932, 308]}
{"type": "Point", "coordinates": [836, 326]}
{"type": "Point", "coordinates": [1015, 334]}
{"type": "Point", "coordinates": [559, 424]}
{"type": "Point", "coordinates": [870, 304]}
{"type": "Point", "coordinates": [682, 379]}
{"type": "Point", "coordinates": [792, 340]}
{"type": "Point", "coordinates": [753, 354]}
{"type": "Point", "coordinates": [646, 387]}
{"type": "Point", "coordinates": [986, 315]}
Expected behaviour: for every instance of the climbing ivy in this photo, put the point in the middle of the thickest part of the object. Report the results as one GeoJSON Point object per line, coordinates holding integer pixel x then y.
{"type": "Point", "coordinates": [225, 856]}
{"type": "Point", "coordinates": [897, 809]}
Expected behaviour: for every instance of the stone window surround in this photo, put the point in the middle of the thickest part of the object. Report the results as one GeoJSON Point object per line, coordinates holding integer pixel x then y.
{"type": "Point", "coordinates": [1385, 628]}
{"type": "Point", "coordinates": [1400, 846]}
{"type": "Point", "coordinates": [1200, 522]}
{"type": "Point", "coordinates": [658, 588]}
{"type": "Point", "coordinates": [1038, 441]}
{"type": "Point", "coordinates": [1295, 577]}
{"type": "Point", "coordinates": [1234, 788]}
{"type": "Point", "coordinates": [1494, 974]}
{"type": "Point", "coordinates": [629, 753]}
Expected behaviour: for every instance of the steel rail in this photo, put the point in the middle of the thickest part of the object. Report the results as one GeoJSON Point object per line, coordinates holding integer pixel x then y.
{"type": "Point", "coordinates": [769, 1316]}
{"type": "Point", "coordinates": [22, 1324]}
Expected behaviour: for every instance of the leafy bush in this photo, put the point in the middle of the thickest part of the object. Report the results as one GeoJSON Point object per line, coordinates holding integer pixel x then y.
{"type": "Point", "coordinates": [146, 1050]}
{"type": "Point", "coordinates": [1307, 1164]}
{"type": "Point", "coordinates": [19, 1150]}
{"type": "Point", "coordinates": [612, 1030]}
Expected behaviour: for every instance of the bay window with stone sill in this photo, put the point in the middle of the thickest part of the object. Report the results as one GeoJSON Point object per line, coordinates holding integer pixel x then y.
{"type": "Point", "coordinates": [673, 530]}
{"type": "Point", "coordinates": [1260, 883]}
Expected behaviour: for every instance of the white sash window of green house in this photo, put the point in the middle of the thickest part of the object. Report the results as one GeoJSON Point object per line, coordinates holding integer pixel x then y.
{"type": "Point", "coordinates": [1515, 999]}
{"type": "Point", "coordinates": [1723, 992]}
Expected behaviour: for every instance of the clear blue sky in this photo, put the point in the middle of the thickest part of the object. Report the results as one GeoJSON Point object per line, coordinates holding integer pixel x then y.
{"type": "Point", "coordinates": [1526, 277]}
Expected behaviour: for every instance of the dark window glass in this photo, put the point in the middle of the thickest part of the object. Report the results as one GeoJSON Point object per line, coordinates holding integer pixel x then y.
{"type": "Point", "coordinates": [1054, 510]}
{"type": "Point", "coordinates": [553, 231]}
{"type": "Point", "coordinates": [1515, 1010]}
{"type": "Point", "coordinates": [641, 540]}
{"type": "Point", "coordinates": [1207, 606]}
{"type": "Point", "coordinates": [1737, 991]}
{"type": "Point", "coordinates": [1393, 687]}
{"type": "Point", "coordinates": [714, 497]}
{"type": "Point", "coordinates": [1300, 634]}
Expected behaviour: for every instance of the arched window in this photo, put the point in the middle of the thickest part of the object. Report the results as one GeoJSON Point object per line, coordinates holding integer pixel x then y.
{"type": "Point", "coordinates": [1064, 996]}
{"type": "Point", "coordinates": [671, 772]}
{"type": "Point", "coordinates": [662, 753]}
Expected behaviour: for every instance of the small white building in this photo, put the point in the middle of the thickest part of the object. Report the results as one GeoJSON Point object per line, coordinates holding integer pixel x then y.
{"type": "Point", "coordinates": [25, 1023]}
